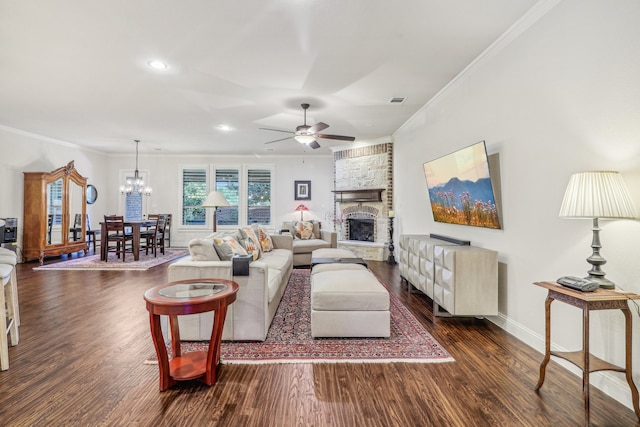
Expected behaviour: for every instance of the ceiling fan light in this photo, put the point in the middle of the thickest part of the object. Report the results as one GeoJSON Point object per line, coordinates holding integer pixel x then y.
{"type": "Point", "coordinates": [305, 139]}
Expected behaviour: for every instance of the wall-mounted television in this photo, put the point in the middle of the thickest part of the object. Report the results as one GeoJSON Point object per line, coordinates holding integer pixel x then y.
{"type": "Point", "coordinates": [460, 189]}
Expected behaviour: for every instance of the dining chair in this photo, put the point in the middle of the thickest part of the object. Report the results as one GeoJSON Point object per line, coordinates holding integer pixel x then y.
{"type": "Point", "coordinates": [167, 228]}
{"type": "Point", "coordinates": [49, 228]}
{"type": "Point", "coordinates": [91, 234]}
{"type": "Point", "coordinates": [167, 232]}
{"type": "Point", "coordinates": [122, 242]}
{"type": "Point", "coordinates": [154, 237]}
{"type": "Point", "coordinates": [76, 230]}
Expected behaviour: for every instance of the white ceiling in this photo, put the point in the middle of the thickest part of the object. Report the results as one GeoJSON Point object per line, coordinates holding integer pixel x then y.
{"type": "Point", "coordinates": [77, 70]}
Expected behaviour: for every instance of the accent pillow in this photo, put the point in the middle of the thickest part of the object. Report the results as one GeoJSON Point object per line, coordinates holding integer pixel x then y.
{"type": "Point", "coordinates": [265, 240]}
{"type": "Point", "coordinates": [250, 242]}
{"type": "Point", "coordinates": [227, 247]}
{"type": "Point", "coordinates": [203, 250]}
{"type": "Point", "coordinates": [304, 230]}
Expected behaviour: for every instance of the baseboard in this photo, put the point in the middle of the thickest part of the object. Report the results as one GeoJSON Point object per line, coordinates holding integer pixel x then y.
{"type": "Point", "coordinates": [616, 388]}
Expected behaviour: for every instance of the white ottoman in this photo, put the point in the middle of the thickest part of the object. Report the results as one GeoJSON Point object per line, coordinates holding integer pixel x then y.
{"type": "Point", "coordinates": [348, 302]}
{"type": "Point", "coordinates": [332, 253]}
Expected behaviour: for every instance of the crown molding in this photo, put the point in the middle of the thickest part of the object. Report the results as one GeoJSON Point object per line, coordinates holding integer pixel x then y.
{"type": "Point", "coordinates": [527, 20]}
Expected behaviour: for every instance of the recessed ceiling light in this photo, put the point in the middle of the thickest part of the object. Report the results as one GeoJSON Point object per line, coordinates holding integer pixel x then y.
{"type": "Point", "coordinates": [158, 65]}
{"type": "Point", "coordinates": [224, 127]}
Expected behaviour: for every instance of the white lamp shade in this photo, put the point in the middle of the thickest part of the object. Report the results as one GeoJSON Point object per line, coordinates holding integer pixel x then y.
{"type": "Point", "coordinates": [215, 199]}
{"type": "Point", "coordinates": [600, 194]}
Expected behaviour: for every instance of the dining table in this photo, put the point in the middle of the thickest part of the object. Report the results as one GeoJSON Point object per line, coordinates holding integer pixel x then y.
{"type": "Point", "coordinates": [135, 226]}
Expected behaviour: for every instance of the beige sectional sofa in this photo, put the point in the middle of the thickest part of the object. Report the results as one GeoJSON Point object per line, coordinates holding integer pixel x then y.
{"type": "Point", "coordinates": [249, 317]}
{"type": "Point", "coordinates": [302, 248]}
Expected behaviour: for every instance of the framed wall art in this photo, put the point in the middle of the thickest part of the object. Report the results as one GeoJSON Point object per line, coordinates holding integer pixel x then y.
{"type": "Point", "coordinates": [302, 190]}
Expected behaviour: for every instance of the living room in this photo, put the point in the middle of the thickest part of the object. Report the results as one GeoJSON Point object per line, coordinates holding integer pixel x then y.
{"type": "Point", "coordinates": [556, 94]}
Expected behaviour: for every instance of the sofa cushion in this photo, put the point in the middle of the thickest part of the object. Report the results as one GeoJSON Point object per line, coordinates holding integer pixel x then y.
{"type": "Point", "coordinates": [308, 246]}
{"type": "Point", "coordinates": [227, 247]}
{"type": "Point", "coordinates": [274, 279]}
{"type": "Point", "coordinates": [203, 250]}
{"type": "Point", "coordinates": [278, 259]}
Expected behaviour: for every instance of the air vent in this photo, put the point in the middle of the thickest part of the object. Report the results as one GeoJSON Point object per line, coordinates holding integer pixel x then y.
{"type": "Point", "coordinates": [396, 100]}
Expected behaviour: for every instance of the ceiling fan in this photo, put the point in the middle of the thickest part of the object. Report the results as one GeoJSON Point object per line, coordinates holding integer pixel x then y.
{"type": "Point", "coordinates": [307, 135]}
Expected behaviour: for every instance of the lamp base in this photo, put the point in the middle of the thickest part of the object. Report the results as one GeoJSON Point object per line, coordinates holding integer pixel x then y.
{"type": "Point", "coordinates": [604, 283]}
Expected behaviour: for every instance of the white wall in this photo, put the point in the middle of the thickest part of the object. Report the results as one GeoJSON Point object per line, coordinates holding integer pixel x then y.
{"type": "Point", "coordinates": [24, 152]}
{"type": "Point", "coordinates": [562, 97]}
{"type": "Point", "coordinates": [162, 173]}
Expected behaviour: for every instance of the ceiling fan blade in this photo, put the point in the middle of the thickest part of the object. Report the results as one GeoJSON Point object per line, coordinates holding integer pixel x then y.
{"type": "Point", "coordinates": [318, 127]}
{"type": "Point", "coordinates": [277, 130]}
{"type": "Point", "coordinates": [314, 145]}
{"type": "Point", "coordinates": [339, 137]}
{"type": "Point", "coordinates": [278, 140]}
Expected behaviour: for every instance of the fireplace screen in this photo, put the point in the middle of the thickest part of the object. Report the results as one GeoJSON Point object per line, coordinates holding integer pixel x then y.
{"type": "Point", "coordinates": [361, 229]}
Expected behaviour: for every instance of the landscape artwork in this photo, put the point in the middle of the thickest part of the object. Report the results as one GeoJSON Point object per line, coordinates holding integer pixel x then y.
{"type": "Point", "coordinates": [460, 188]}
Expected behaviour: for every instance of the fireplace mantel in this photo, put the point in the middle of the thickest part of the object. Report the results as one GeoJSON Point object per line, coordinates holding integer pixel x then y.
{"type": "Point", "coordinates": [360, 195]}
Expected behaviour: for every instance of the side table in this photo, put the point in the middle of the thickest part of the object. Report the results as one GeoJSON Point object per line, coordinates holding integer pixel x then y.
{"type": "Point", "coordinates": [188, 297]}
{"type": "Point", "coordinates": [601, 299]}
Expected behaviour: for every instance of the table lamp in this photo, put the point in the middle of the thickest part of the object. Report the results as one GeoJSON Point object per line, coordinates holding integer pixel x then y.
{"type": "Point", "coordinates": [600, 194]}
{"type": "Point", "coordinates": [301, 208]}
{"type": "Point", "coordinates": [214, 200]}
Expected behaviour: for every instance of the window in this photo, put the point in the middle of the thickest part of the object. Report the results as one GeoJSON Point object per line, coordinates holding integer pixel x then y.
{"type": "Point", "coordinates": [247, 188]}
{"type": "Point", "coordinates": [228, 183]}
{"type": "Point", "coordinates": [259, 196]}
{"type": "Point", "coordinates": [194, 191]}
{"type": "Point", "coordinates": [133, 206]}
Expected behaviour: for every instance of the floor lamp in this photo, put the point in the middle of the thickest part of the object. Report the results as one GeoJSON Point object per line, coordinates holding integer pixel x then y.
{"type": "Point", "coordinates": [214, 200]}
{"type": "Point", "coordinates": [597, 195]}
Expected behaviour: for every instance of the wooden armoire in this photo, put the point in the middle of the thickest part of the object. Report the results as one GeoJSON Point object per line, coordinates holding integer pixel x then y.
{"type": "Point", "coordinates": [51, 202]}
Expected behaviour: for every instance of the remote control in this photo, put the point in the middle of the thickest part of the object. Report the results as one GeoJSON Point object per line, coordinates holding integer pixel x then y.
{"type": "Point", "coordinates": [578, 283]}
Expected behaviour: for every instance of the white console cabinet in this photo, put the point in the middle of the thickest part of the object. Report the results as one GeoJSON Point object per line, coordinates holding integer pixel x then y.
{"type": "Point", "coordinates": [463, 280]}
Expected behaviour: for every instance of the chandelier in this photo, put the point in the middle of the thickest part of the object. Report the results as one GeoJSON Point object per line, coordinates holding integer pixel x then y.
{"type": "Point", "coordinates": [135, 184]}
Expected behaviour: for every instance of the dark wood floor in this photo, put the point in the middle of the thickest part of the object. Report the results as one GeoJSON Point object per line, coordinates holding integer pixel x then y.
{"type": "Point", "coordinates": [85, 335]}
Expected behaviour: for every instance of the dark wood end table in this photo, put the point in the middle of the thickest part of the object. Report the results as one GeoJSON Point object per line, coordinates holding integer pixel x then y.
{"type": "Point", "coordinates": [181, 298]}
{"type": "Point", "coordinates": [601, 299]}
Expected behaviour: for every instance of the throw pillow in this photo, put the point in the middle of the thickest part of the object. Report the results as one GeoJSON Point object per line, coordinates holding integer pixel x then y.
{"type": "Point", "coordinates": [289, 226]}
{"type": "Point", "coordinates": [227, 247]}
{"type": "Point", "coordinates": [304, 230]}
{"type": "Point", "coordinates": [251, 242]}
{"type": "Point", "coordinates": [265, 240]}
{"type": "Point", "coordinates": [203, 250]}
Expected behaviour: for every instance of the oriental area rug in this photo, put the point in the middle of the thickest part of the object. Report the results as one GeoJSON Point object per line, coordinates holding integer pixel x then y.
{"type": "Point", "coordinates": [92, 262]}
{"type": "Point", "coordinates": [289, 338]}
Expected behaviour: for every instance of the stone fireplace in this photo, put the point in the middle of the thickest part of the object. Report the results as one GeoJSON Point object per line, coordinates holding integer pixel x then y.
{"type": "Point", "coordinates": [363, 198]}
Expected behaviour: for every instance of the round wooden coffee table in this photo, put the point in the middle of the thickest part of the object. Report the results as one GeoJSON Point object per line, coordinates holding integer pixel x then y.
{"type": "Point", "coordinates": [188, 297]}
